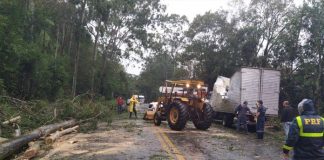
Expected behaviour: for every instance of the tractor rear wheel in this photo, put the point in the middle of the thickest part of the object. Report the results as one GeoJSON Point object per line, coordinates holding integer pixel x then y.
{"type": "Point", "coordinates": [203, 119]}
{"type": "Point", "coordinates": [177, 116]}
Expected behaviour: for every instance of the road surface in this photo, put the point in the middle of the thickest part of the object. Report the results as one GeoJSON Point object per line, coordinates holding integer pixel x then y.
{"type": "Point", "coordinates": [138, 139]}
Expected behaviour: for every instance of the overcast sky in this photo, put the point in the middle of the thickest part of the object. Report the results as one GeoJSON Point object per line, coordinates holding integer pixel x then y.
{"type": "Point", "coordinates": [189, 8]}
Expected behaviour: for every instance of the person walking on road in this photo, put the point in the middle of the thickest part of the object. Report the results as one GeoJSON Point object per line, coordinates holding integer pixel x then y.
{"type": "Point", "coordinates": [287, 116]}
{"type": "Point", "coordinates": [120, 103]}
{"type": "Point", "coordinates": [260, 115]}
{"type": "Point", "coordinates": [132, 106]}
{"type": "Point", "coordinates": [305, 135]}
{"type": "Point", "coordinates": [241, 111]}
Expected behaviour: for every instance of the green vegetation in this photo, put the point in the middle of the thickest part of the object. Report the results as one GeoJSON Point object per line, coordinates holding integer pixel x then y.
{"type": "Point", "coordinates": [273, 34]}
{"type": "Point", "coordinates": [53, 49]}
{"type": "Point", "coordinates": [54, 52]}
{"type": "Point", "coordinates": [62, 59]}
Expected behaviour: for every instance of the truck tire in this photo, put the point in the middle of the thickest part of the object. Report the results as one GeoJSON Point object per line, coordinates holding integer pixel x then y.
{"type": "Point", "coordinates": [251, 128]}
{"type": "Point", "coordinates": [227, 120]}
{"type": "Point", "coordinates": [204, 119]}
{"type": "Point", "coordinates": [157, 119]}
{"type": "Point", "coordinates": [177, 116]}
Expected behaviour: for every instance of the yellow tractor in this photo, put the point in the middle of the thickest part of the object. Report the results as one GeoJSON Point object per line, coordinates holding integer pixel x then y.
{"type": "Point", "coordinates": [183, 100]}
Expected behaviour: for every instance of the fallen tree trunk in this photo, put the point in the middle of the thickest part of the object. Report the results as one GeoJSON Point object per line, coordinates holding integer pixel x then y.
{"type": "Point", "coordinates": [8, 148]}
{"type": "Point", "coordinates": [12, 120]}
{"type": "Point", "coordinates": [58, 134]}
{"type": "Point", "coordinates": [33, 150]}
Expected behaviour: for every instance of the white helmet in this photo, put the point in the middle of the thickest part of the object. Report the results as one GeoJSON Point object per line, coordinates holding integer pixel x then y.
{"type": "Point", "coordinates": [305, 105]}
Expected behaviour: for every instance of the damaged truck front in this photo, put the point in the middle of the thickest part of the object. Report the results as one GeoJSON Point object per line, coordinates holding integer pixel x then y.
{"type": "Point", "coordinates": [247, 84]}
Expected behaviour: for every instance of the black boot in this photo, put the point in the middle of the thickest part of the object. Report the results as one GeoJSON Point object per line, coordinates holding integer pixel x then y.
{"type": "Point", "coordinates": [260, 135]}
{"type": "Point", "coordinates": [135, 112]}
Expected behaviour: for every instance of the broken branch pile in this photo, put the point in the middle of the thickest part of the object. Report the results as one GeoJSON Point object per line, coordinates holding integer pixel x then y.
{"type": "Point", "coordinates": [12, 120]}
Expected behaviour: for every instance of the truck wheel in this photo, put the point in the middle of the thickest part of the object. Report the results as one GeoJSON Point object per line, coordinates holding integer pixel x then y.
{"type": "Point", "coordinates": [157, 119]}
{"type": "Point", "coordinates": [227, 120]}
{"type": "Point", "coordinates": [204, 119]}
{"type": "Point", "coordinates": [177, 116]}
{"type": "Point", "coordinates": [251, 128]}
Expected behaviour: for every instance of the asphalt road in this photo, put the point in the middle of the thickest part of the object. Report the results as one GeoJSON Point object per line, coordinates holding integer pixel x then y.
{"type": "Point", "coordinates": [138, 139]}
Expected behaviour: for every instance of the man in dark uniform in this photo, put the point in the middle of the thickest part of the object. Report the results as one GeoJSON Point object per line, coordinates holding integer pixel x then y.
{"type": "Point", "coordinates": [305, 135]}
{"type": "Point", "coordinates": [241, 111]}
{"type": "Point", "coordinates": [260, 115]}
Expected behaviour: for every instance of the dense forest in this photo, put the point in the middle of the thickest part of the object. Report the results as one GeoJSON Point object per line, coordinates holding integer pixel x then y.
{"type": "Point", "coordinates": [56, 49]}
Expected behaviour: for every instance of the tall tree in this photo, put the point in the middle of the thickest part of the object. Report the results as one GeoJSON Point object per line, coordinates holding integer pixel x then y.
{"type": "Point", "coordinates": [80, 23]}
{"type": "Point", "coordinates": [126, 30]}
{"type": "Point", "coordinates": [268, 18]}
{"type": "Point", "coordinates": [314, 25]}
{"type": "Point", "coordinates": [211, 39]}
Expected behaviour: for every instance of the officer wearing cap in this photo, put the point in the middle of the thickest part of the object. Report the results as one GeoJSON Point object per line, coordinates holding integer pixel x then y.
{"type": "Point", "coordinates": [305, 135]}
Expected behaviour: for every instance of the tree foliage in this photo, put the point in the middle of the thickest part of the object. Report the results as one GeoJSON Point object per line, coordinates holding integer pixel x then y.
{"type": "Point", "coordinates": [50, 49]}
{"type": "Point", "coordinates": [272, 34]}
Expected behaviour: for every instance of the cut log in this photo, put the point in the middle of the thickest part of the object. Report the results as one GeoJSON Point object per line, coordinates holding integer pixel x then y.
{"type": "Point", "coordinates": [33, 150]}
{"type": "Point", "coordinates": [2, 140]}
{"type": "Point", "coordinates": [12, 120]}
{"type": "Point", "coordinates": [58, 134]}
{"type": "Point", "coordinates": [8, 148]}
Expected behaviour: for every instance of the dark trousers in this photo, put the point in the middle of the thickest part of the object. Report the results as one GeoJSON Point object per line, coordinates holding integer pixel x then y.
{"type": "Point", "coordinates": [119, 109]}
{"type": "Point", "coordinates": [260, 128]}
{"type": "Point", "coordinates": [134, 110]}
{"type": "Point", "coordinates": [241, 123]}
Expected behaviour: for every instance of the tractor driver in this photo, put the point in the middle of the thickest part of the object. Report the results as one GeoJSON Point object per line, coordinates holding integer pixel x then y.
{"type": "Point", "coordinates": [190, 93]}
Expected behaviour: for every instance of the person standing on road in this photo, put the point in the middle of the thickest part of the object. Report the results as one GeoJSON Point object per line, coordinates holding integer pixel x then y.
{"type": "Point", "coordinates": [287, 116]}
{"type": "Point", "coordinates": [120, 103]}
{"type": "Point", "coordinates": [260, 115]}
{"type": "Point", "coordinates": [305, 135]}
{"type": "Point", "coordinates": [132, 106]}
{"type": "Point", "coordinates": [241, 111]}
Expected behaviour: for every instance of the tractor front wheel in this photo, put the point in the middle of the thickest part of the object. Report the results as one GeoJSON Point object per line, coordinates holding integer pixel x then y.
{"type": "Point", "coordinates": [203, 119]}
{"type": "Point", "coordinates": [157, 119]}
{"type": "Point", "coordinates": [177, 116]}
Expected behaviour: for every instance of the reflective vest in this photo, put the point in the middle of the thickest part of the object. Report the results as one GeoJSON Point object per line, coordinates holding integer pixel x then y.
{"type": "Point", "coordinates": [311, 126]}
{"type": "Point", "coordinates": [306, 138]}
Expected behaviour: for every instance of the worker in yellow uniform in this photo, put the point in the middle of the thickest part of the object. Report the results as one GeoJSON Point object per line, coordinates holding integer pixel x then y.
{"type": "Point", "coordinates": [305, 135]}
{"type": "Point", "coordinates": [132, 106]}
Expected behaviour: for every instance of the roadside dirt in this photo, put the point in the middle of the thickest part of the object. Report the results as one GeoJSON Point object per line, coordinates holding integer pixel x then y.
{"type": "Point", "coordinates": [138, 139]}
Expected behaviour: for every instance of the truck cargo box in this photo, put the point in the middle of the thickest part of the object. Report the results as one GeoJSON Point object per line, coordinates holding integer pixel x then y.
{"type": "Point", "coordinates": [247, 84]}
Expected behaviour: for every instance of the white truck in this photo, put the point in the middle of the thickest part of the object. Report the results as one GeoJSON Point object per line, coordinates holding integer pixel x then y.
{"type": "Point", "coordinates": [247, 84]}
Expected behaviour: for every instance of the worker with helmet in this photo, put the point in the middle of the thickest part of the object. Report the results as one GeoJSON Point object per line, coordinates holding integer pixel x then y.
{"type": "Point", "coordinates": [305, 135]}
{"type": "Point", "coordinates": [132, 106]}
